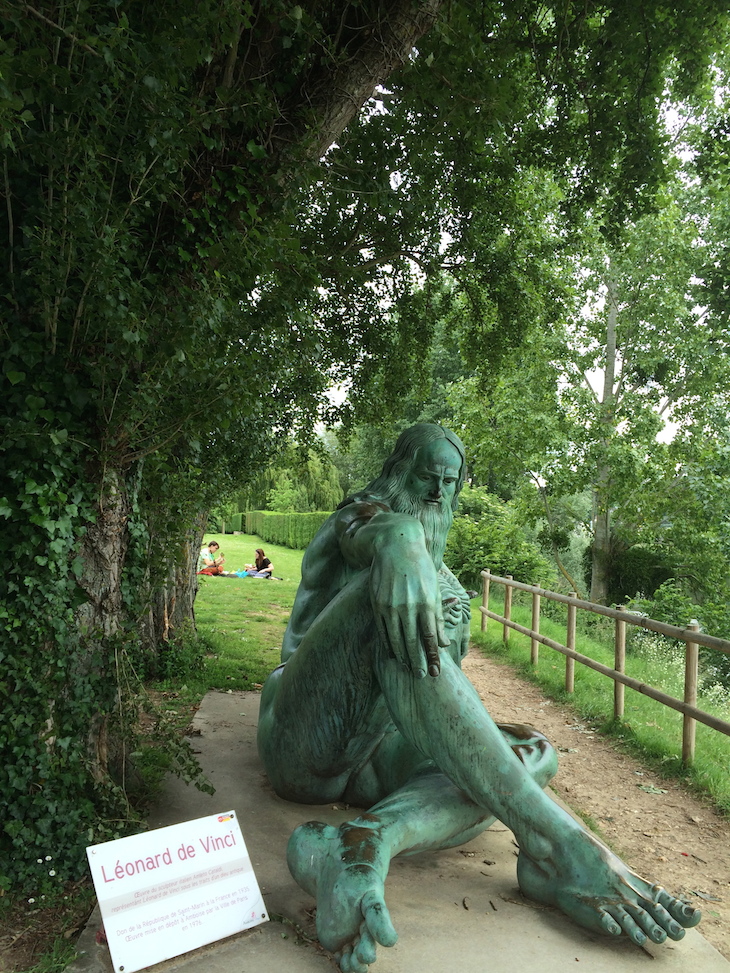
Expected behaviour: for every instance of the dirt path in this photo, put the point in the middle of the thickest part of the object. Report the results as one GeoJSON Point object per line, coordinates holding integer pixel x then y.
{"type": "Point", "coordinates": [658, 827]}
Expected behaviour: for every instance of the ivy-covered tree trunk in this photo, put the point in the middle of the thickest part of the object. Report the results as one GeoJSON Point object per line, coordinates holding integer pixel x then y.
{"type": "Point", "coordinates": [104, 615]}
{"type": "Point", "coordinates": [172, 591]}
{"type": "Point", "coordinates": [102, 552]}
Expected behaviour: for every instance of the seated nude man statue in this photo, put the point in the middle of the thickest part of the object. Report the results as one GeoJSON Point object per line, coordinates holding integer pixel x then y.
{"type": "Point", "coordinates": [370, 707]}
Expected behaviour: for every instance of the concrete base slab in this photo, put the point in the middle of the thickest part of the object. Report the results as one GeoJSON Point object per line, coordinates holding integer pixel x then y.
{"type": "Point", "coordinates": [460, 906]}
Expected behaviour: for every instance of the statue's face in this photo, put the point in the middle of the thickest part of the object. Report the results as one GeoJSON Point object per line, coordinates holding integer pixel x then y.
{"type": "Point", "coordinates": [435, 474]}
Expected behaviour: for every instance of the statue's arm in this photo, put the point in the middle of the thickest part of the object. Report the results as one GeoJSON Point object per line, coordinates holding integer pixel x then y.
{"type": "Point", "coordinates": [404, 584]}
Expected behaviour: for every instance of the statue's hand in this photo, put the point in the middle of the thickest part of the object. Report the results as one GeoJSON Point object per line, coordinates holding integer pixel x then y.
{"type": "Point", "coordinates": [406, 599]}
{"type": "Point", "coordinates": [456, 609]}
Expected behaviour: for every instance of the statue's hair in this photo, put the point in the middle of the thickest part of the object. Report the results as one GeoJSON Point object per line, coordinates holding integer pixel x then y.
{"type": "Point", "coordinates": [404, 455]}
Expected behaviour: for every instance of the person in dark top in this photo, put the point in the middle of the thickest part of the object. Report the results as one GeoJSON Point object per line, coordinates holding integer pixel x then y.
{"type": "Point", "coordinates": [263, 568]}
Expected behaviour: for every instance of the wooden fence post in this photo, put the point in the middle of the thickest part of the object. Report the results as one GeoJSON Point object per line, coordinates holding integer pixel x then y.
{"type": "Point", "coordinates": [534, 644]}
{"type": "Point", "coordinates": [570, 643]}
{"type": "Point", "coordinates": [507, 609]}
{"type": "Point", "coordinates": [485, 596]}
{"type": "Point", "coordinates": [689, 725]}
{"type": "Point", "coordinates": [619, 665]}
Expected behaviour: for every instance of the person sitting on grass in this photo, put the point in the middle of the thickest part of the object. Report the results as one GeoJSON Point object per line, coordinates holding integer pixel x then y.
{"type": "Point", "coordinates": [209, 561]}
{"type": "Point", "coordinates": [263, 568]}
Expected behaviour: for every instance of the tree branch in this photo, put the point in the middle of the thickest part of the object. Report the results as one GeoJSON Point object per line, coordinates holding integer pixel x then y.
{"type": "Point", "coordinates": [70, 34]}
{"type": "Point", "coordinates": [335, 98]}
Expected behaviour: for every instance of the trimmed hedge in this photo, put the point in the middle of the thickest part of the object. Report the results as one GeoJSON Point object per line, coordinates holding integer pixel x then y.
{"type": "Point", "coordinates": [288, 530]}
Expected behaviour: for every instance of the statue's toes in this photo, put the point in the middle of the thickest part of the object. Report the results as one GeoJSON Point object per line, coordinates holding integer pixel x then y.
{"type": "Point", "coordinates": [680, 915]}
{"type": "Point", "coordinates": [628, 924]}
{"type": "Point", "coordinates": [343, 959]}
{"type": "Point", "coordinates": [365, 948]}
{"type": "Point", "coordinates": [609, 924]}
{"type": "Point", "coordinates": [377, 920]}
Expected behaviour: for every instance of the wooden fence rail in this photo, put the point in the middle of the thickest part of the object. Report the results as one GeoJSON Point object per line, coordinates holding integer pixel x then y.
{"type": "Point", "coordinates": [691, 636]}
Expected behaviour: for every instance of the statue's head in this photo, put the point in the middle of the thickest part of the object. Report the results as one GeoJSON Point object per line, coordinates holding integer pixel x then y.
{"type": "Point", "coordinates": [424, 454]}
{"type": "Point", "coordinates": [410, 444]}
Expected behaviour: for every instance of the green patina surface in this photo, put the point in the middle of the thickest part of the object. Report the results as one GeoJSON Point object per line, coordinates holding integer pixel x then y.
{"type": "Point", "coordinates": [369, 706]}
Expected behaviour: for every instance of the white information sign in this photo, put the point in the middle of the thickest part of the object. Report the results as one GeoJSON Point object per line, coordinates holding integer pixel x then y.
{"type": "Point", "coordinates": [174, 889]}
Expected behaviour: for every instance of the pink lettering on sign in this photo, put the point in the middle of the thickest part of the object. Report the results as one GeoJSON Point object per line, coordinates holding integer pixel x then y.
{"type": "Point", "coordinates": [217, 842]}
{"type": "Point", "coordinates": [137, 867]}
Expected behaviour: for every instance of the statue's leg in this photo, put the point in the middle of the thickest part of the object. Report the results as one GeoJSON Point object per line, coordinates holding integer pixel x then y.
{"type": "Point", "coordinates": [560, 862]}
{"type": "Point", "coordinates": [322, 713]}
{"type": "Point", "coordinates": [323, 717]}
{"type": "Point", "coordinates": [344, 868]}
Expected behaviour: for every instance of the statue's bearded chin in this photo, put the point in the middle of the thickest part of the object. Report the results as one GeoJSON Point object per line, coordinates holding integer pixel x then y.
{"type": "Point", "coordinates": [435, 517]}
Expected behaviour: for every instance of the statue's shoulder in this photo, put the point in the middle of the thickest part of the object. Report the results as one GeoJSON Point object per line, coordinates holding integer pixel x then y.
{"type": "Point", "coordinates": [323, 561]}
{"type": "Point", "coordinates": [356, 509]}
{"type": "Point", "coordinates": [353, 510]}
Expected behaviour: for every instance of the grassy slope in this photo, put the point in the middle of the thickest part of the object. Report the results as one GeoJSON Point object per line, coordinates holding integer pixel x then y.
{"type": "Point", "coordinates": [243, 619]}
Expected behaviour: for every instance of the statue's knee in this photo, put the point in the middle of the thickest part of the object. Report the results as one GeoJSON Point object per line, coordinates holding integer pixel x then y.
{"type": "Point", "coordinates": [534, 750]}
{"type": "Point", "coordinates": [266, 721]}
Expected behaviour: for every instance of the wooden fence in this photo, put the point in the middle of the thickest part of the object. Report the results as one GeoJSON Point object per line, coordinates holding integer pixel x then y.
{"type": "Point", "coordinates": [691, 636]}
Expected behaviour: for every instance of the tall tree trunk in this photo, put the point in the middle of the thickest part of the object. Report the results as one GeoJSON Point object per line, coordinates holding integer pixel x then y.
{"type": "Point", "coordinates": [173, 594]}
{"type": "Point", "coordinates": [103, 551]}
{"type": "Point", "coordinates": [601, 559]}
{"type": "Point", "coordinates": [336, 97]}
{"type": "Point", "coordinates": [172, 590]}
{"type": "Point", "coordinates": [601, 552]}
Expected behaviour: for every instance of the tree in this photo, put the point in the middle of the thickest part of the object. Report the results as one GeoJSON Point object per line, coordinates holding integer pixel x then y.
{"type": "Point", "coordinates": [488, 533]}
{"type": "Point", "coordinates": [151, 165]}
{"type": "Point", "coordinates": [304, 480]}
{"type": "Point", "coordinates": [583, 406]}
{"type": "Point", "coordinates": [359, 451]}
{"type": "Point", "coordinates": [195, 249]}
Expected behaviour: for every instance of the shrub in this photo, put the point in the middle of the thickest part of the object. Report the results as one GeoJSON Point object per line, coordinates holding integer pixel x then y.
{"type": "Point", "coordinates": [183, 656]}
{"type": "Point", "coordinates": [488, 534]}
{"type": "Point", "coordinates": [631, 569]}
{"type": "Point", "coordinates": [294, 530]}
{"type": "Point", "coordinates": [672, 603]}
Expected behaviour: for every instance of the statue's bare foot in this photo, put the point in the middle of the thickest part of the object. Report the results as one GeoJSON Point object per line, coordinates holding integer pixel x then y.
{"type": "Point", "coordinates": [344, 869]}
{"type": "Point", "coordinates": [590, 884]}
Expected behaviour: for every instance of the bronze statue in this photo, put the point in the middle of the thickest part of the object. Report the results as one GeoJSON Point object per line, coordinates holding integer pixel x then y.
{"type": "Point", "coordinates": [370, 707]}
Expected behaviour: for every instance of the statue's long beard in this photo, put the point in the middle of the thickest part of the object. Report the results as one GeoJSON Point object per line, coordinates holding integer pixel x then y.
{"type": "Point", "coordinates": [436, 519]}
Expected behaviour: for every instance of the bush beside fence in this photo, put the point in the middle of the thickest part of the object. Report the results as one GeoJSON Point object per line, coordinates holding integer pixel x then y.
{"type": "Point", "coordinates": [293, 530]}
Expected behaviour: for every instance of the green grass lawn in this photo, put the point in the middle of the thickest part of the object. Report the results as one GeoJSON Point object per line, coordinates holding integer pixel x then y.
{"type": "Point", "coordinates": [653, 731]}
{"type": "Point", "coordinates": [240, 625]}
{"type": "Point", "coordinates": [242, 620]}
